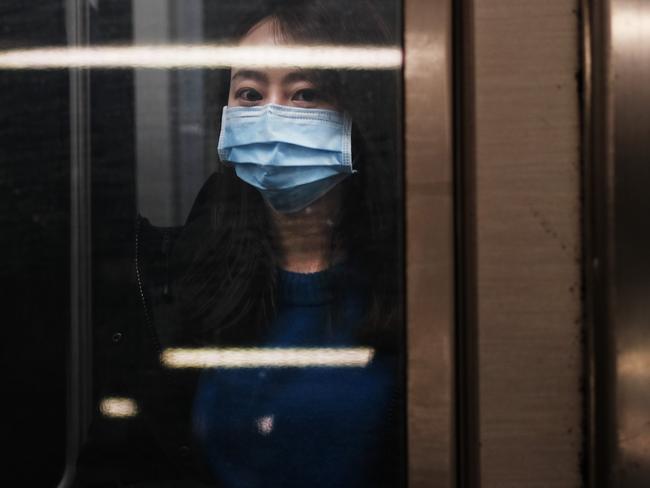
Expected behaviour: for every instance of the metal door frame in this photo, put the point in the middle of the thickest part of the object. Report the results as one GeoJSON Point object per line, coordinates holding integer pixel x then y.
{"type": "Point", "coordinates": [430, 263]}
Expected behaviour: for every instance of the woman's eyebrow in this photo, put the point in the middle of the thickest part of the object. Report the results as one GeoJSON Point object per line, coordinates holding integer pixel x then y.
{"type": "Point", "coordinates": [250, 74]}
{"type": "Point", "coordinates": [299, 75]}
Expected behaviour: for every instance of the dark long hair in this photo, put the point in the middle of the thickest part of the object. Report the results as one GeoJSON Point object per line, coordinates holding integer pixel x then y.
{"type": "Point", "coordinates": [226, 258]}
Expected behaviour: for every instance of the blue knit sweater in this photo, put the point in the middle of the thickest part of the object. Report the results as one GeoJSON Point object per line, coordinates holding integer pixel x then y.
{"type": "Point", "coordinates": [309, 426]}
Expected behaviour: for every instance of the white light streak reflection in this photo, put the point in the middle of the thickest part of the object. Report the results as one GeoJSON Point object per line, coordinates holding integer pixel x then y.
{"type": "Point", "coordinates": [118, 407]}
{"type": "Point", "coordinates": [630, 29]}
{"type": "Point", "coordinates": [265, 424]}
{"type": "Point", "coordinates": [634, 365]}
{"type": "Point", "coordinates": [267, 357]}
{"type": "Point", "coordinates": [203, 56]}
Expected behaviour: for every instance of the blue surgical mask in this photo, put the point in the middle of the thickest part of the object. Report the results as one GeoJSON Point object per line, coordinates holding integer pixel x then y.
{"type": "Point", "coordinates": [293, 156]}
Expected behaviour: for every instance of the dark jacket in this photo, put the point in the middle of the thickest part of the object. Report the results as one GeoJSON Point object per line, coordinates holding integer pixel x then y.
{"type": "Point", "coordinates": [136, 318]}
{"type": "Point", "coordinates": [133, 323]}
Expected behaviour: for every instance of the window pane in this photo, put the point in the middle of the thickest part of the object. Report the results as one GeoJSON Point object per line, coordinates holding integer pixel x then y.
{"type": "Point", "coordinates": [247, 259]}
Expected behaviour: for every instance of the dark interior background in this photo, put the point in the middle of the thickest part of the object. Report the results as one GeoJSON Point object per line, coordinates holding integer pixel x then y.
{"type": "Point", "coordinates": [34, 245]}
{"type": "Point", "coordinates": [35, 222]}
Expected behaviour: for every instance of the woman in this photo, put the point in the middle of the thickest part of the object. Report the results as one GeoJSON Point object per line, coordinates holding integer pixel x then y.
{"type": "Point", "coordinates": [298, 249]}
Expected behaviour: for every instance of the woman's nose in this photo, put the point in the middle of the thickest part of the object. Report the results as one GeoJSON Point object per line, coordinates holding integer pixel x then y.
{"type": "Point", "coordinates": [277, 97]}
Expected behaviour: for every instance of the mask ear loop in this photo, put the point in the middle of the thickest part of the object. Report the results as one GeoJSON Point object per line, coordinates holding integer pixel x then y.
{"type": "Point", "coordinates": [354, 155]}
{"type": "Point", "coordinates": [347, 139]}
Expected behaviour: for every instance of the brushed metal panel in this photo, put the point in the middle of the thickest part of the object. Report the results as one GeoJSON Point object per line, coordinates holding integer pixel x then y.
{"type": "Point", "coordinates": [528, 237]}
{"type": "Point", "coordinates": [429, 242]}
{"type": "Point", "coordinates": [630, 65]}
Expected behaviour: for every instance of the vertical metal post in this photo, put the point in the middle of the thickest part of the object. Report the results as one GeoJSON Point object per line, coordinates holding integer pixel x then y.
{"type": "Point", "coordinates": [79, 354]}
{"type": "Point", "coordinates": [188, 99]}
{"type": "Point", "coordinates": [464, 182]}
{"type": "Point", "coordinates": [597, 166]}
{"type": "Point", "coordinates": [429, 243]}
{"type": "Point", "coordinates": [155, 178]}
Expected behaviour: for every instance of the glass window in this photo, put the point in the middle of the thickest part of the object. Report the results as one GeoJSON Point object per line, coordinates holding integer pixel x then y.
{"type": "Point", "coordinates": [205, 231]}
{"type": "Point", "coordinates": [237, 174]}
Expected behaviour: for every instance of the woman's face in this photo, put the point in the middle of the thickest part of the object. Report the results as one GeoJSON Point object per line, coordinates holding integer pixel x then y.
{"type": "Point", "coordinates": [292, 87]}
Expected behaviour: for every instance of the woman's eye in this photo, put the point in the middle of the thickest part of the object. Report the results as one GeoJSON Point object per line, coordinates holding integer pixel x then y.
{"type": "Point", "coordinates": [248, 95]}
{"type": "Point", "coordinates": [308, 95]}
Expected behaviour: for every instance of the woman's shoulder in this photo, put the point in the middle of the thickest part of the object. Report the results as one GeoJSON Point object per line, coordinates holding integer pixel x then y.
{"type": "Point", "coordinates": [151, 240]}
{"type": "Point", "coordinates": [153, 246]}
{"type": "Point", "coordinates": [155, 242]}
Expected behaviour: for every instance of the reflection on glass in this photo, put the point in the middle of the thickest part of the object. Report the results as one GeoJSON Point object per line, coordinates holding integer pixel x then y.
{"type": "Point", "coordinates": [367, 57]}
{"type": "Point", "coordinates": [634, 365]}
{"type": "Point", "coordinates": [265, 424]}
{"type": "Point", "coordinates": [117, 407]}
{"type": "Point", "coordinates": [266, 357]}
{"type": "Point", "coordinates": [629, 21]}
